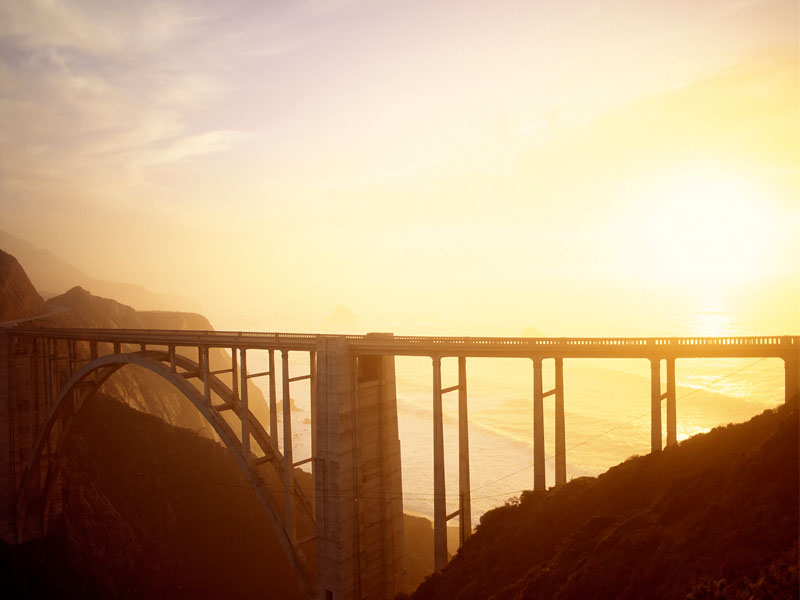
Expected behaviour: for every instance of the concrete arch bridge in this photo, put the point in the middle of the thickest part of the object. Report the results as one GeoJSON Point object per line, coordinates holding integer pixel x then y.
{"type": "Point", "coordinates": [346, 540]}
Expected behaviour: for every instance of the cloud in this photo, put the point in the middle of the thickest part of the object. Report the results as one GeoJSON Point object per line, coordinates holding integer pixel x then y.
{"type": "Point", "coordinates": [189, 146]}
{"type": "Point", "coordinates": [97, 89]}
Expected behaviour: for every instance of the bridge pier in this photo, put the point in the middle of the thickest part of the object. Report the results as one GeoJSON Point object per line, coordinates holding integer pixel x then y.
{"type": "Point", "coordinates": [539, 474]}
{"type": "Point", "coordinates": [672, 422]}
{"type": "Point", "coordinates": [561, 442]}
{"type": "Point", "coordinates": [439, 498]}
{"type": "Point", "coordinates": [464, 501]}
{"type": "Point", "coordinates": [656, 398]}
{"type": "Point", "coordinates": [655, 405]}
{"type": "Point", "coordinates": [791, 367]}
{"type": "Point", "coordinates": [273, 402]}
{"type": "Point", "coordinates": [288, 460]}
{"type": "Point", "coordinates": [357, 476]}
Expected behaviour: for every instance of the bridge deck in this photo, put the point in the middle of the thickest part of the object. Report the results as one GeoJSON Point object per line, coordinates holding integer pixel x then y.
{"type": "Point", "coordinates": [622, 347]}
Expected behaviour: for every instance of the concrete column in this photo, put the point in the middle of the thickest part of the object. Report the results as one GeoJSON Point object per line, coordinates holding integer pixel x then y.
{"type": "Point", "coordinates": [48, 366]}
{"type": "Point", "coordinates": [539, 475]}
{"type": "Point", "coordinates": [288, 479]}
{"type": "Point", "coordinates": [655, 405]}
{"type": "Point", "coordinates": [672, 417]}
{"type": "Point", "coordinates": [464, 501]}
{"type": "Point", "coordinates": [245, 407]}
{"type": "Point", "coordinates": [561, 437]}
{"type": "Point", "coordinates": [791, 367]}
{"type": "Point", "coordinates": [206, 375]}
{"type": "Point", "coordinates": [70, 357]}
{"type": "Point", "coordinates": [234, 377]}
{"type": "Point", "coordinates": [93, 349]}
{"type": "Point", "coordinates": [439, 499]}
{"type": "Point", "coordinates": [358, 495]}
{"type": "Point", "coordinates": [312, 366]}
{"type": "Point", "coordinates": [33, 361]}
{"type": "Point", "coordinates": [273, 408]}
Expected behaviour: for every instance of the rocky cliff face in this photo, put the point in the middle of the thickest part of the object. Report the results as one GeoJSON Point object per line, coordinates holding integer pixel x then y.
{"type": "Point", "coordinates": [715, 517]}
{"type": "Point", "coordinates": [18, 298]}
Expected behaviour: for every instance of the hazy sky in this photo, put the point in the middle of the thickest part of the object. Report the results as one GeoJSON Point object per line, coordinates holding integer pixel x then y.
{"type": "Point", "coordinates": [481, 166]}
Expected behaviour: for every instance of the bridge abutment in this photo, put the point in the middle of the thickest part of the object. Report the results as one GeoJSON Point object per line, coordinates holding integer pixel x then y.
{"type": "Point", "coordinates": [357, 477]}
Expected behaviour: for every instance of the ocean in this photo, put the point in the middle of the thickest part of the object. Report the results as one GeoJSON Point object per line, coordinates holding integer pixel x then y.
{"type": "Point", "coordinates": [607, 412]}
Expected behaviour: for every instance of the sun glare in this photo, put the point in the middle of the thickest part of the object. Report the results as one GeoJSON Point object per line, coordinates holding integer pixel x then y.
{"type": "Point", "coordinates": [707, 228]}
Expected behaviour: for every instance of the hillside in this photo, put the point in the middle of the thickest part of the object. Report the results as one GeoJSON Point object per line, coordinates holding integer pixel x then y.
{"type": "Point", "coordinates": [138, 387]}
{"type": "Point", "coordinates": [51, 275]}
{"type": "Point", "coordinates": [715, 517]}
{"type": "Point", "coordinates": [18, 298]}
{"type": "Point", "coordinates": [149, 510]}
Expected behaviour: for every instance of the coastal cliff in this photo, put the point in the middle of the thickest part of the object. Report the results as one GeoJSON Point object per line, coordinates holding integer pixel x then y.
{"type": "Point", "coordinates": [18, 298]}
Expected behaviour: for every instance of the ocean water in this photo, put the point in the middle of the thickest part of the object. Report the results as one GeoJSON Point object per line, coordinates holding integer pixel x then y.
{"type": "Point", "coordinates": [607, 411]}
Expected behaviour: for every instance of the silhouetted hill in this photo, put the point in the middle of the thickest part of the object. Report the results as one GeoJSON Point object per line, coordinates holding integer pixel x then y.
{"type": "Point", "coordinates": [52, 275]}
{"type": "Point", "coordinates": [149, 511]}
{"type": "Point", "coordinates": [18, 298]}
{"type": "Point", "coordinates": [715, 517]}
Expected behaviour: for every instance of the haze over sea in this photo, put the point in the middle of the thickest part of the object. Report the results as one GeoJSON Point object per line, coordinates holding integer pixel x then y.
{"type": "Point", "coordinates": [606, 401]}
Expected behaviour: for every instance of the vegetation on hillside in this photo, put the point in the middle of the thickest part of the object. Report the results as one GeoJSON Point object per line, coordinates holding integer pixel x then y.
{"type": "Point", "coordinates": [714, 517]}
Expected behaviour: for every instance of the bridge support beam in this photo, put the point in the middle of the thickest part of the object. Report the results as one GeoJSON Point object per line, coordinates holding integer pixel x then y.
{"type": "Point", "coordinates": [539, 474]}
{"type": "Point", "coordinates": [288, 460]}
{"type": "Point", "coordinates": [791, 367]}
{"type": "Point", "coordinates": [312, 365]}
{"type": "Point", "coordinates": [561, 442]}
{"type": "Point", "coordinates": [244, 399]}
{"type": "Point", "coordinates": [273, 407]}
{"type": "Point", "coordinates": [464, 501]}
{"type": "Point", "coordinates": [358, 486]}
{"type": "Point", "coordinates": [439, 498]}
{"type": "Point", "coordinates": [655, 405]}
{"type": "Point", "coordinates": [672, 417]}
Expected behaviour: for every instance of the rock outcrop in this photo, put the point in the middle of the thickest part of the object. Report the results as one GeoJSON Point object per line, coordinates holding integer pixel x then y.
{"type": "Point", "coordinates": [18, 298]}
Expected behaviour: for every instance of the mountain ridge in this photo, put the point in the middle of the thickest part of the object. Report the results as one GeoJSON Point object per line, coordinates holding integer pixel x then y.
{"type": "Point", "coordinates": [52, 276]}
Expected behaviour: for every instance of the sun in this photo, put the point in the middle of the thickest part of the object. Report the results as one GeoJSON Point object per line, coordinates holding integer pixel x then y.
{"type": "Point", "coordinates": [707, 228]}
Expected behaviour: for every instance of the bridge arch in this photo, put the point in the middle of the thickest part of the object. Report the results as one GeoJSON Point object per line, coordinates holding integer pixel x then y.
{"type": "Point", "coordinates": [81, 387]}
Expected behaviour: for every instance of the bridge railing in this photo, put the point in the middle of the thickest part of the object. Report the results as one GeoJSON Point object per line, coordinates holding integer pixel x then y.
{"type": "Point", "coordinates": [420, 344]}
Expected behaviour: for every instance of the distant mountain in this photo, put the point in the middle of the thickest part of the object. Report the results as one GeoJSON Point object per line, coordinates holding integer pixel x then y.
{"type": "Point", "coordinates": [51, 276]}
{"type": "Point", "coordinates": [714, 517]}
{"type": "Point", "coordinates": [341, 315]}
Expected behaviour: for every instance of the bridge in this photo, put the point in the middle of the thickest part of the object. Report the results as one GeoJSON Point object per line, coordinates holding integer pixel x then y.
{"type": "Point", "coordinates": [346, 540]}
